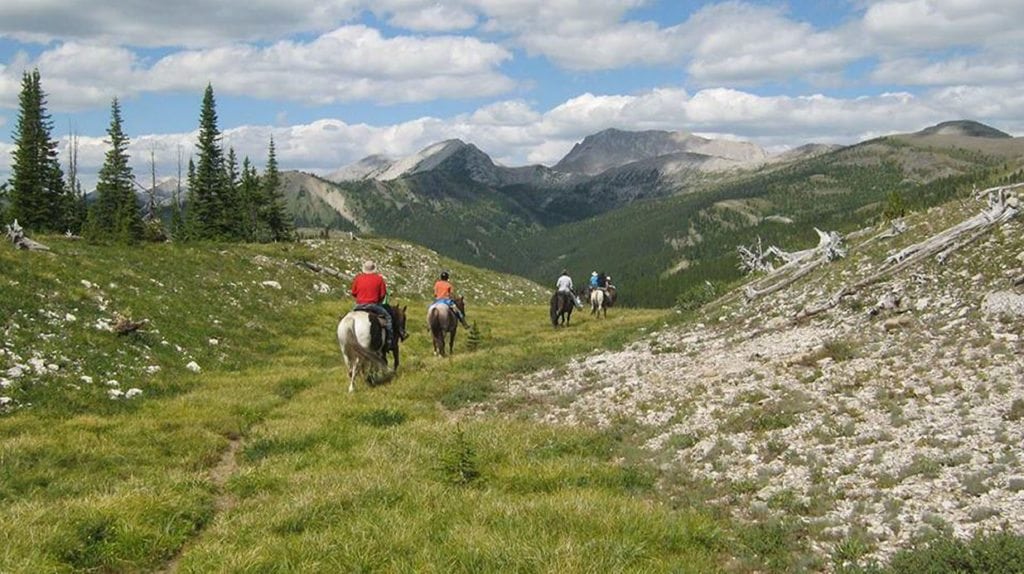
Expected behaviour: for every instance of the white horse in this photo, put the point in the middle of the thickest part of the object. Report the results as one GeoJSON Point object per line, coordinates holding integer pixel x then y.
{"type": "Point", "coordinates": [362, 342]}
{"type": "Point", "coordinates": [597, 302]}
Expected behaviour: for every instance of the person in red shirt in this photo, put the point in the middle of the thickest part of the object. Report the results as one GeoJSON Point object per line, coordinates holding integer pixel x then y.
{"type": "Point", "coordinates": [443, 294]}
{"type": "Point", "coordinates": [370, 292]}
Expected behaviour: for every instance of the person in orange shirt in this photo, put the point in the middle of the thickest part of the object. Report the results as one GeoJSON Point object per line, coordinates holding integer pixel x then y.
{"type": "Point", "coordinates": [443, 293]}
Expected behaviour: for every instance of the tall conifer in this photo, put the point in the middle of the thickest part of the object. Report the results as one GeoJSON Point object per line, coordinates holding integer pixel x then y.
{"type": "Point", "coordinates": [207, 185]}
{"type": "Point", "coordinates": [276, 216]}
{"type": "Point", "coordinates": [38, 196]}
{"type": "Point", "coordinates": [115, 213]}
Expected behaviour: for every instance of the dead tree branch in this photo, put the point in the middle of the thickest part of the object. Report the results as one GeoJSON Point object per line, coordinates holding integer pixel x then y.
{"type": "Point", "coordinates": [797, 264]}
{"type": "Point", "coordinates": [1002, 206]}
{"type": "Point", "coordinates": [17, 236]}
{"type": "Point", "coordinates": [322, 269]}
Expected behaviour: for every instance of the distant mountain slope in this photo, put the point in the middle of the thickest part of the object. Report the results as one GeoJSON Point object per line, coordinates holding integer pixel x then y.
{"type": "Point", "coordinates": [615, 148]}
{"type": "Point", "coordinates": [966, 128]}
{"type": "Point", "coordinates": [664, 223]}
{"type": "Point", "coordinates": [660, 248]}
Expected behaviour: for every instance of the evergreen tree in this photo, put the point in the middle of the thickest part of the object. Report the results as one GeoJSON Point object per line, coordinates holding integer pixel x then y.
{"type": "Point", "coordinates": [250, 204]}
{"type": "Point", "coordinates": [231, 215]}
{"type": "Point", "coordinates": [275, 214]}
{"type": "Point", "coordinates": [38, 197]}
{"type": "Point", "coordinates": [115, 213]}
{"type": "Point", "coordinates": [206, 185]}
{"type": "Point", "coordinates": [189, 229]}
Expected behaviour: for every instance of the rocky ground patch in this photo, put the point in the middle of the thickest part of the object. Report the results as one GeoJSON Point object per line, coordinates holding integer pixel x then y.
{"type": "Point", "coordinates": [895, 416]}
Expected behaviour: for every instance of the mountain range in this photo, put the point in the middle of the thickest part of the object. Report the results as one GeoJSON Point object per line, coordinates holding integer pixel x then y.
{"type": "Point", "coordinates": [661, 211]}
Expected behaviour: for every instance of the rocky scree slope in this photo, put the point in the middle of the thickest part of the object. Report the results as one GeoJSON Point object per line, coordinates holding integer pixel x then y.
{"type": "Point", "coordinates": [890, 419]}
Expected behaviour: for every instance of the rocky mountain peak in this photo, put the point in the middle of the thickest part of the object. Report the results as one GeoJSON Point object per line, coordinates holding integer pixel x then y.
{"type": "Point", "coordinates": [613, 148]}
{"type": "Point", "coordinates": [964, 128]}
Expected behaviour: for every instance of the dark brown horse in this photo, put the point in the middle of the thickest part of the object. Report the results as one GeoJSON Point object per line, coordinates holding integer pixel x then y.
{"type": "Point", "coordinates": [562, 305]}
{"type": "Point", "coordinates": [441, 320]}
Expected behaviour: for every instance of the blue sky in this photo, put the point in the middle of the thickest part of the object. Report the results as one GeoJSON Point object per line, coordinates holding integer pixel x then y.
{"type": "Point", "coordinates": [524, 80]}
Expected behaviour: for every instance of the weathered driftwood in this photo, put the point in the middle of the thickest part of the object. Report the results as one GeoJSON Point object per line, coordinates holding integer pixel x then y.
{"type": "Point", "coordinates": [17, 236]}
{"type": "Point", "coordinates": [795, 265]}
{"type": "Point", "coordinates": [1002, 206]}
{"type": "Point", "coordinates": [322, 269]}
{"type": "Point", "coordinates": [123, 325]}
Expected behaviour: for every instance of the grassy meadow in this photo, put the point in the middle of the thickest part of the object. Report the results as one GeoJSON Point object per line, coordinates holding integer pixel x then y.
{"type": "Point", "coordinates": [243, 452]}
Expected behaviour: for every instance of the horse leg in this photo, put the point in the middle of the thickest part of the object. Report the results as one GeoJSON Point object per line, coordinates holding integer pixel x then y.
{"type": "Point", "coordinates": [352, 371]}
{"type": "Point", "coordinates": [451, 340]}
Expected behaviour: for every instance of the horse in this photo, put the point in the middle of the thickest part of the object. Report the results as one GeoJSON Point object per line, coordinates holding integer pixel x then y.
{"type": "Point", "coordinates": [597, 303]}
{"type": "Point", "coordinates": [441, 320]}
{"type": "Point", "coordinates": [361, 339]}
{"type": "Point", "coordinates": [611, 296]}
{"type": "Point", "coordinates": [562, 305]}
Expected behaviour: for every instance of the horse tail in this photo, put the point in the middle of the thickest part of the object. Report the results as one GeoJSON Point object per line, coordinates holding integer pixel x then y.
{"type": "Point", "coordinates": [350, 346]}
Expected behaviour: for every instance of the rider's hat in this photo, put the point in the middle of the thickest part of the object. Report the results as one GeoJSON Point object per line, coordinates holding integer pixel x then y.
{"type": "Point", "coordinates": [594, 273]}
{"type": "Point", "coordinates": [444, 275]}
{"type": "Point", "coordinates": [369, 266]}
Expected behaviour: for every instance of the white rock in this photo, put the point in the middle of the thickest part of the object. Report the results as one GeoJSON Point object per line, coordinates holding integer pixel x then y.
{"type": "Point", "coordinates": [87, 284]}
{"type": "Point", "coordinates": [113, 383]}
{"type": "Point", "coordinates": [153, 369]}
{"type": "Point", "coordinates": [70, 318]}
{"type": "Point", "coordinates": [115, 393]}
{"type": "Point", "coordinates": [193, 366]}
{"type": "Point", "coordinates": [132, 393]}
{"type": "Point", "coordinates": [4, 401]}
{"type": "Point", "coordinates": [271, 284]}
{"type": "Point", "coordinates": [213, 342]}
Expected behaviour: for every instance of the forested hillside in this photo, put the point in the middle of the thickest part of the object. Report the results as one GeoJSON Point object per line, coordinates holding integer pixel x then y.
{"type": "Point", "coordinates": [683, 248]}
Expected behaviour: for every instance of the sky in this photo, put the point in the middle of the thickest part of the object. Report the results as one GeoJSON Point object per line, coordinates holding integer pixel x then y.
{"type": "Point", "coordinates": [333, 81]}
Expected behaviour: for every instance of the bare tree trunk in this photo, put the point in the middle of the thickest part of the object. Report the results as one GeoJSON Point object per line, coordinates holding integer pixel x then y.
{"type": "Point", "coordinates": [17, 236]}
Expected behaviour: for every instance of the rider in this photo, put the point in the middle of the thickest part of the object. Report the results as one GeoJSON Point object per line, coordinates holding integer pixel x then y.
{"type": "Point", "coordinates": [564, 285]}
{"type": "Point", "coordinates": [371, 292]}
{"type": "Point", "coordinates": [443, 294]}
{"type": "Point", "coordinates": [593, 280]}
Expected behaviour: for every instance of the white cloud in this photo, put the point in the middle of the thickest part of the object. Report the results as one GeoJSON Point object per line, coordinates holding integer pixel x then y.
{"type": "Point", "coordinates": [942, 23]}
{"type": "Point", "coordinates": [614, 47]}
{"type": "Point", "coordinates": [978, 70]}
{"type": "Point", "coordinates": [743, 43]}
{"type": "Point", "coordinates": [179, 23]}
{"type": "Point", "coordinates": [346, 64]}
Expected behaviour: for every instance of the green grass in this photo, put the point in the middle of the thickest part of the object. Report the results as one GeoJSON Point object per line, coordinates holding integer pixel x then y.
{"type": "Point", "coordinates": [386, 478]}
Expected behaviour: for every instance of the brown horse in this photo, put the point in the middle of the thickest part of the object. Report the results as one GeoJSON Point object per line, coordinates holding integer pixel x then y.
{"type": "Point", "coordinates": [361, 338]}
{"type": "Point", "coordinates": [441, 320]}
{"type": "Point", "coordinates": [562, 305]}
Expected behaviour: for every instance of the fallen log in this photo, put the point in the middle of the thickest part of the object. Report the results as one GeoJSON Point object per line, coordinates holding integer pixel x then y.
{"type": "Point", "coordinates": [17, 236]}
{"type": "Point", "coordinates": [1002, 206]}
{"type": "Point", "coordinates": [322, 269]}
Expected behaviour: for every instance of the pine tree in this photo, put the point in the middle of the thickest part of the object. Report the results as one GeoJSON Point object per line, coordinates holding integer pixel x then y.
{"type": "Point", "coordinates": [231, 215]}
{"type": "Point", "coordinates": [275, 213]}
{"type": "Point", "coordinates": [206, 185]}
{"type": "Point", "coordinates": [250, 204]}
{"type": "Point", "coordinates": [115, 213]}
{"type": "Point", "coordinates": [190, 226]}
{"type": "Point", "coordinates": [38, 197]}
